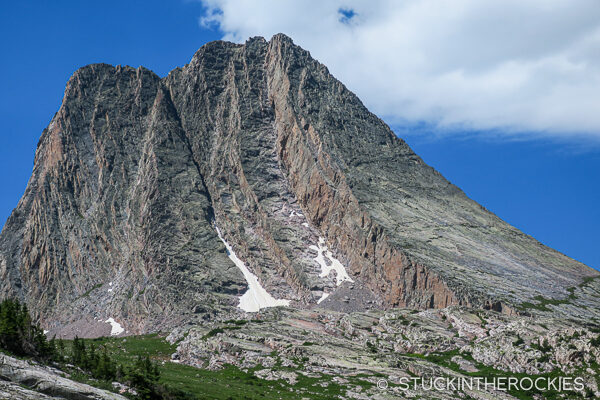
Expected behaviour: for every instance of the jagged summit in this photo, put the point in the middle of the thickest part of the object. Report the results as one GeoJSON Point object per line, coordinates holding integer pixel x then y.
{"type": "Point", "coordinates": [136, 175]}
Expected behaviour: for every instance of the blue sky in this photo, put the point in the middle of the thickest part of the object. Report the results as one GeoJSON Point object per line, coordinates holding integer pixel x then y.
{"type": "Point", "coordinates": [544, 181]}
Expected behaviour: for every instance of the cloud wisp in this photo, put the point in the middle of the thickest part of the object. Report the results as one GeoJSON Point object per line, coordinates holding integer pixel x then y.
{"type": "Point", "coordinates": [501, 65]}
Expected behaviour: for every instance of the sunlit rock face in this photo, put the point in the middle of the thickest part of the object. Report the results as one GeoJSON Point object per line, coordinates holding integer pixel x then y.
{"type": "Point", "coordinates": [315, 196]}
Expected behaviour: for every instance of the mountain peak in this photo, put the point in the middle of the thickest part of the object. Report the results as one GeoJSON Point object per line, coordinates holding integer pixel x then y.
{"type": "Point", "coordinates": [155, 202]}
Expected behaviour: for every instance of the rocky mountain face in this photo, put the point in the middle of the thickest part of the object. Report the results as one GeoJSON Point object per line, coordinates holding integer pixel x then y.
{"type": "Point", "coordinates": [140, 184]}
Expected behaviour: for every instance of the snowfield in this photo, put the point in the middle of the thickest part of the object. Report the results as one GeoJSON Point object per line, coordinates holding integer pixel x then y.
{"type": "Point", "coordinates": [322, 256]}
{"type": "Point", "coordinates": [116, 328]}
{"type": "Point", "coordinates": [323, 297]}
{"type": "Point", "coordinates": [256, 297]}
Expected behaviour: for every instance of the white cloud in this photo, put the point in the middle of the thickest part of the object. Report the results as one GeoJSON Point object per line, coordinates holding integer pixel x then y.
{"type": "Point", "coordinates": [509, 65]}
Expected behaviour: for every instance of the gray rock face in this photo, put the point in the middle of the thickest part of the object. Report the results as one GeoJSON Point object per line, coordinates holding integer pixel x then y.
{"type": "Point", "coordinates": [134, 172]}
{"type": "Point", "coordinates": [21, 379]}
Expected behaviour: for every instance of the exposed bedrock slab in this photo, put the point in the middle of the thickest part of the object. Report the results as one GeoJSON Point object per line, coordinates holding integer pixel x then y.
{"type": "Point", "coordinates": [21, 379]}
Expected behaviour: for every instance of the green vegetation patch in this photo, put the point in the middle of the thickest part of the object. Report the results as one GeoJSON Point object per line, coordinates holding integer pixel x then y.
{"type": "Point", "coordinates": [87, 293]}
{"type": "Point", "coordinates": [187, 382]}
{"type": "Point", "coordinates": [543, 303]}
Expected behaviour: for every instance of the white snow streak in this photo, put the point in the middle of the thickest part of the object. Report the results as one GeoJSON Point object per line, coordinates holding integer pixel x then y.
{"type": "Point", "coordinates": [295, 214]}
{"type": "Point", "coordinates": [323, 297]}
{"type": "Point", "coordinates": [256, 297]}
{"type": "Point", "coordinates": [116, 328]}
{"type": "Point", "coordinates": [322, 255]}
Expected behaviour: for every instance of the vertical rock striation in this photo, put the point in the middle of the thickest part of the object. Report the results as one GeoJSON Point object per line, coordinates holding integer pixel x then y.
{"type": "Point", "coordinates": [134, 174]}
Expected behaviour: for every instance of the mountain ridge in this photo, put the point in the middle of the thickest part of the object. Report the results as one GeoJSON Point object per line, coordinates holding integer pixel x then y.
{"type": "Point", "coordinates": [135, 172]}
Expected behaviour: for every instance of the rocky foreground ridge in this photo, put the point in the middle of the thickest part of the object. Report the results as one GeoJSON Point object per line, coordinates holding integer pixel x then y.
{"type": "Point", "coordinates": [136, 173]}
{"type": "Point", "coordinates": [360, 350]}
{"type": "Point", "coordinates": [22, 379]}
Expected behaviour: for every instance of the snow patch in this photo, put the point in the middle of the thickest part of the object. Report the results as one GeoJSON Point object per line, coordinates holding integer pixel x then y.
{"type": "Point", "coordinates": [45, 331]}
{"type": "Point", "coordinates": [116, 328]}
{"type": "Point", "coordinates": [322, 256]}
{"type": "Point", "coordinates": [295, 214]}
{"type": "Point", "coordinates": [323, 297]}
{"type": "Point", "coordinates": [256, 297]}
{"type": "Point", "coordinates": [305, 224]}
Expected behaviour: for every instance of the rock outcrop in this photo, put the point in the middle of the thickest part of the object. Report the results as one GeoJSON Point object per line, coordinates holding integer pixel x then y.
{"type": "Point", "coordinates": [20, 379]}
{"type": "Point", "coordinates": [399, 344]}
{"type": "Point", "coordinates": [135, 173]}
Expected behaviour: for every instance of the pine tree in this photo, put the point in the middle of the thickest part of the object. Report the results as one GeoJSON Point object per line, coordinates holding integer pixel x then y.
{"type": "Point", "coordinates": [61, 350]}
{"type": "Point", "coordinates": [106, 368]}
{"type": "Point", "coordinates": [9, 333]}
{"type": "Point", "coordinates": [78, 355]}
{"type": "Point", "coordinates": [92, 359]}
{"type": "Point", "coordinates": [18, 333]}
{"type": "Point", "coordinates": [53, 349]}
{"type": "Point", "coordinates": [144, 376]}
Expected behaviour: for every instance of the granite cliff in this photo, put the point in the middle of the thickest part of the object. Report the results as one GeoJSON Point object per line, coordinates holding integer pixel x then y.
{"type": "Point", "coordinates": [146, 190]}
